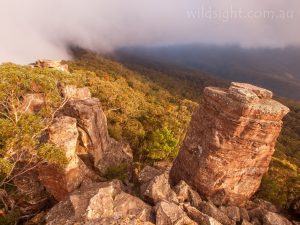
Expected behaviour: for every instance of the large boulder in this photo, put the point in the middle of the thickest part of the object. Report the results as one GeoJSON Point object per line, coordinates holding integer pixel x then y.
{"type": "Point", "coordinates": [148, 173]}
{"type": "Point", "coordinates": [168, 213]}
{"type": "Point", "coordinates": [60, 181]}
{"type": "Point", "coordinates": [157, 188]}
{"type": "Point", "coordinates": [229, 143]}
{"type": "Point", "coordinates": [100, 203]}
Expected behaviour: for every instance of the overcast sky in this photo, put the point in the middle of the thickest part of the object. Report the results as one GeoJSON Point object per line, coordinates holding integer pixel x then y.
{"type": "Point", "coordinates": [32, 29]}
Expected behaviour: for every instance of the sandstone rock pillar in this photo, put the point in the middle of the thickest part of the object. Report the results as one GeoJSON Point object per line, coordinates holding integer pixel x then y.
{"type": "Point", "coordinates": [230, 142]}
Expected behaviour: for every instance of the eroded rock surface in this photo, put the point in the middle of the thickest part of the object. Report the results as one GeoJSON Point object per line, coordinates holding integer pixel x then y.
{"type": "Point", "coordinates": [229, 143]}
{"type": "Point", "coordinates": [157, 188]}
{"type": "Point", "coordinates": [104, 151]}
{"type": "Point", "coordinates": [58, 181]}
{"type": "Point", "coordinates": [100, 203]}
{"type": "Point", "coordinates": [186, 194]}
{"type": "Point", "coordinates": [200, 217]}
{"type": "Point", "coordinates": [271, 218]}
{"type": "Point", "coordinates": [168, 213]}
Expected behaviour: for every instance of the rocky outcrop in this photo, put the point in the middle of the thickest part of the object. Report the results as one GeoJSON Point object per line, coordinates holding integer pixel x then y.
{"type": "Point", "coordinates": [229, 143]}
{"type": "Point", "coordinates": [80, 130]}
{"type": "Point", "coordinates": [56, 64]}
{"type": "Point", "coordinates": [157, 188]}
{"type": "Point", "coordinates": [95, 142]}
{"type": "Point", "coordinates": [71, 92]}
{"type": "Point", "coordinates": [91, 119]}
{"type": "Point", "coordinates": [33, 102]}
{"type": "Point", "coordinates": [58, 181]}
{"type": "Point", "coordinates": [100, 203]}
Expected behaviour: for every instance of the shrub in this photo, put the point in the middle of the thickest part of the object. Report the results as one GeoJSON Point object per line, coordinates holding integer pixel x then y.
{"type": "Point", "coordinates": [161, 145]}
{"type": "Point", "coordinates": [117, 172]}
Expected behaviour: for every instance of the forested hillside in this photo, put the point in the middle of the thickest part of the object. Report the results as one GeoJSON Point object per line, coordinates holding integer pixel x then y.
{"type": "Point", "coordinates": [281, 185]}
{"type": "Point", "coordinates": [148, 107]}
{"type": "Point", "coordinates": [275, 69]}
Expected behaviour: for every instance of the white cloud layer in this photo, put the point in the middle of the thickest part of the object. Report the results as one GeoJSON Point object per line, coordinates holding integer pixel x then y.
{"type": "Point", "coordinates": [31, 29]}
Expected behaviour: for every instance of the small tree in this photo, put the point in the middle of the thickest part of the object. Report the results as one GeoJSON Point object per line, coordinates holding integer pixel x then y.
{"type": "Point", "coordinates": [161, 145]}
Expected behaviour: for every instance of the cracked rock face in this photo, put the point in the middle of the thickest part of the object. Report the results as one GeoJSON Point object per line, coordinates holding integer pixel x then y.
{"type": "Point", "coordinates": [229, 143]}
{"type": "Point", "coordinates": [60, 181]}
{"type": "Point", "coordinates": [100, 203]}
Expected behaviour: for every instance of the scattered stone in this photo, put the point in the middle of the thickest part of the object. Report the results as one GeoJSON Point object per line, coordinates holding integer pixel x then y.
{"type": "Point", "coordinates": [158, 189]}
{"type": "Point", "coordinates": [230, 142]}
{"type": "Point", "coordinates": [116, 153]}
{"type": "Point", "coordinates": [148, 173]}
{"type": "Point", "coordinates": [194, 198]}
{"type": "Point", "coordinates": [100, 203]}
{"type": "Point", "coordinates": [256, 221]}
{"type": "Point", "coordinates": [266, 205]}
{"type": "Point", "coordinates": [186, 194]}
{"type": "Point", "coordinates": [257, 213]}
{"type": "Point", "coordinates": [244, 214]}
{"type": "Point", "coordinates": [211, 210]}
{"type": "Point", "coordinates": [168, 213]}
{"type": "Point", "coordinates": [271, 218]}
{"type": "Point", "coordinates": [245, 222]}
{"type": "Point", "coordinates": [200, 217]}
{"type": "Point", "coordinates": [233, 212]}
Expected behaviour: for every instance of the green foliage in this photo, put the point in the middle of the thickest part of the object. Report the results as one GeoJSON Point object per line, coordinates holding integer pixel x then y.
{"type": "Point", "coordinates": [117, 172]}
{"type": "Point", "coordinates": [139, 105]}
{"type": "Point", "coordinates": [20, 132]}
{"type": "Point", "coordinates": [10, 219]}
{"type": "Point", "coordinates": [151, 113]}
{"type": "Point", "coordinates": [135, 106]}
{"type": "Point", "coordinates": [53, 155]}
{"type": "Point", "coordinates": [281, 185]}
{"type": "Point", "coordinates": [5, 166]}
{"type": "Point", "coordinates": [162, 145]}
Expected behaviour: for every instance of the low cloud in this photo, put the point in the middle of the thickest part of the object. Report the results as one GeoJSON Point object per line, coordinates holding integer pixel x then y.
{"type": "Point", "coordinates": [35, 29]}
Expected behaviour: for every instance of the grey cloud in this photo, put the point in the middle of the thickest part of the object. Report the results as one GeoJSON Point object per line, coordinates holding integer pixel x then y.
{"type": "Point", "coordinates": [34, 29]}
